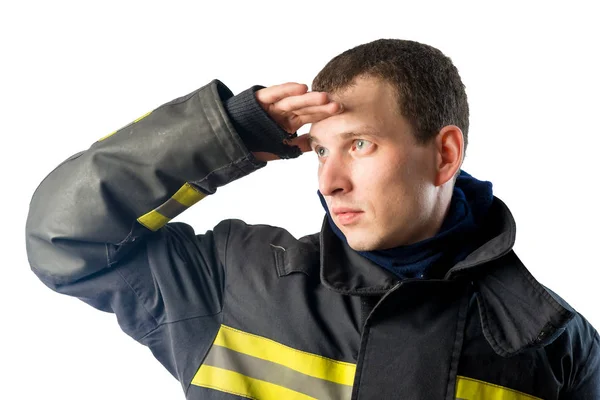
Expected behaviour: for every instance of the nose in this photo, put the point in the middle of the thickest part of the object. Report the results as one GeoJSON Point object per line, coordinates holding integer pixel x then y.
{"type": "Point", "coordinates": [334, 176]}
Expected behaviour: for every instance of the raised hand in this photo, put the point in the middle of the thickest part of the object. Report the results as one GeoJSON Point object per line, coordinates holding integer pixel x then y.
{"type": "Point", "coordinates": [292, 106]}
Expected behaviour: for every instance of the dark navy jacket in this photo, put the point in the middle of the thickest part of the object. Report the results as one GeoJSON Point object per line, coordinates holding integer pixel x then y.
{"type": "Point", "coordinates": [251, 312]}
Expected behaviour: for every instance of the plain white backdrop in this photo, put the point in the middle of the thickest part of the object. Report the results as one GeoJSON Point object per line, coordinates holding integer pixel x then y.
{"type": "Point", "coordinates": [71, 72]}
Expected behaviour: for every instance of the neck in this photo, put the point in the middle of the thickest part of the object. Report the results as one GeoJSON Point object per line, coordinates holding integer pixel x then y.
{"type": "Point", "coordinates": [437, 216]}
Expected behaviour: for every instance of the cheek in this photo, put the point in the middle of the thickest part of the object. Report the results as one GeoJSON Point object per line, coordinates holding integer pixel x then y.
{"type": "Point", "coordinates": [379, 174]}
{"type": "Point", "coordinates": [382, 187]}
{"type": "Point", "coordinates": [398, 188]}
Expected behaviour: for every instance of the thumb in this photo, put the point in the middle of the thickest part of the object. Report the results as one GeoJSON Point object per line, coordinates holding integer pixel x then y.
{"type": "Point", "coordinates": [301, 141]}
{"type": "Point", "coordinates": [264, 156]}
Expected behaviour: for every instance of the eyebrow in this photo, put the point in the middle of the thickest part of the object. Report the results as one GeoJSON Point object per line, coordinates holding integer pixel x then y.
{"type": "Point", "coordinates": [348, 135]}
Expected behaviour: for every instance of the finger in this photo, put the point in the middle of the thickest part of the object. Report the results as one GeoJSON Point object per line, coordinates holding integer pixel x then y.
{"type": "Point", "coordinates": [312, 118]}
{"type": "Point", "coordinates": [330, 108]}
{"type": "Point", "coordinates": [273, 94]}
{"type": "Point", "coordinates": [300, 141]}
{"type": "Point", "coordinates": [293, 103]}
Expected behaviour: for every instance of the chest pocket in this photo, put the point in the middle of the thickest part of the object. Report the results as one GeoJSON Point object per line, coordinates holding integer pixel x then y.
{"type": "Point", "coordinates": [259, 368]}
{"type": "Point", "coordinates": [473, 389]}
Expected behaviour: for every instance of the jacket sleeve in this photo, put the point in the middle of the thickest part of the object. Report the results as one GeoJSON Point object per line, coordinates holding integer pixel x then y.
{"type": "Point", "coordinates": [98, 225]}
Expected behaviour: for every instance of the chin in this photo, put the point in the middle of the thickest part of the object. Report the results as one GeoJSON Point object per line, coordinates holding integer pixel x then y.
{"type": "Point", "coordinates": [361, 244]}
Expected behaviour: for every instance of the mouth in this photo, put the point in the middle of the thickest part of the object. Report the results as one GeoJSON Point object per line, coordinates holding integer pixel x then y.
{"type": "Point", "coordinates": [347, 216]}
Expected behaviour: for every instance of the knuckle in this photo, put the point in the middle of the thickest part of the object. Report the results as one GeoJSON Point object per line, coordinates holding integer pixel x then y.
{"type": "Point", "coordinates": [320, 98]}
{"type": "Point", "coordinates": [284, 107]}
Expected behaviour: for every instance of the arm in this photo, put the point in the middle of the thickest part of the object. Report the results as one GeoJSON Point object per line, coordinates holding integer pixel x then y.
{"type": "Point", "coordinates": [98, 226]}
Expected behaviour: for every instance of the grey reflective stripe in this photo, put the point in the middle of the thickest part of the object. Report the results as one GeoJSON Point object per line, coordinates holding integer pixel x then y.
{"type": "Point", "coordinates": [278, 374]}
{"type": "Point", "coordinates": [171, 208]}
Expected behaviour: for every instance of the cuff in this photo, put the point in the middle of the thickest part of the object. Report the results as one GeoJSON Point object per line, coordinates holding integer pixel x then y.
{"type": "Point", "coordinates": [257, 129]}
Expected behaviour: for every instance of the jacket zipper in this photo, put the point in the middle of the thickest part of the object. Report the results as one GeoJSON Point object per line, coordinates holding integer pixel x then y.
{"type": "Point", "coordinates": [364, 336]}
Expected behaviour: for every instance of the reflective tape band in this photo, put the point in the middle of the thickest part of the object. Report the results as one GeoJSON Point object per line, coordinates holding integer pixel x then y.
{"type": "Point", "coordinates": [184, 198]}
{"type": "Point", "coordinates": [236, 383]}
{"type": "Point", "coordinates": [260, 368]}
{"type": "Point", "coordinates": [473, 389]}
{"type": "Point", "coordinates": [267, 349]}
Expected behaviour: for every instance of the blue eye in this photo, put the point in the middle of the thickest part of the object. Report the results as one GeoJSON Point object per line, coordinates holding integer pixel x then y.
{"type": "Point", "coordinates": [321, 151]}
{"type": "Point", "coordinates": [362, 144]}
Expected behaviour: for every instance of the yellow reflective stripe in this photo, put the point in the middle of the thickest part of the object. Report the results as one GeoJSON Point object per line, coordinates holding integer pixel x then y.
{"type": "Point", "coordinates": [109, 135]}
{"type": "Point", "coordinates": [267, 349]}
{"type": "Point", "coordinates": [242, 385]}
{"type": "Point", "coordinates": [188, 195]}
{"type": "Point", "coordinates": [142, 117]}
{"type": "Point", "coordinates": [153, 220]}
{"type": "Point", "coordinates": [473, 389]}
{"type": "Point", "coordinates": [133, 122]}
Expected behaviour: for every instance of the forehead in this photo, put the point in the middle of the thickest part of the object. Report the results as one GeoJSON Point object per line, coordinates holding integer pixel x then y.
{"type": "Point", "coordinates": [370, 107]}
{"type": "Point", "coordinates": [367, 93]}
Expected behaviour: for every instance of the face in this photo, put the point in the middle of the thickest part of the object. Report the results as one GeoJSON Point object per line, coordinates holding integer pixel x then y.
{"type": "Point", "coordinates": [377, 181]}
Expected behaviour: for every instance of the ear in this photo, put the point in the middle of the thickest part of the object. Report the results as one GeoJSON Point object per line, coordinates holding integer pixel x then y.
{"type": "Point", "coordinates": [449, 144]}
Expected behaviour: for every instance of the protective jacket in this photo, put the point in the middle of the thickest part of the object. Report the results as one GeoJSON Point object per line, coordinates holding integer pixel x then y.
{"type": "Point", "coordinates": [249, 311]}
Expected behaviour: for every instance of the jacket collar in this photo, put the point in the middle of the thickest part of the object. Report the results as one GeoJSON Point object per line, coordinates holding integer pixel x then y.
{"type": "Point", "coordinates": [344, 270]}
{"type": "Point", "coordinates": [516, 311]}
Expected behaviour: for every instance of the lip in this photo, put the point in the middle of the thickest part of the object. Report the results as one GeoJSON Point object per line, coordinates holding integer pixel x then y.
{"type": "Point", "coordinates": [346, 216]}
{"type": "Point", "coordinates": [342, 210]}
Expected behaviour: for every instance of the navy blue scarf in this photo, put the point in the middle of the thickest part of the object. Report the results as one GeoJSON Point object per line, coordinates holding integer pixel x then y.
{"type": "Point", "coordinates": [457, 237]}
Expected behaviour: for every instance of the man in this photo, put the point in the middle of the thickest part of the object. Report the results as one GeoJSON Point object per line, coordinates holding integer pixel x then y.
{"type": "Point", "coordinates": [410, 291]}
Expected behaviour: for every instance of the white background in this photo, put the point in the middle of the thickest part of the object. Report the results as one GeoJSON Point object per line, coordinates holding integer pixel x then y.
{"type": "Point", "coordinates": [71, 72]}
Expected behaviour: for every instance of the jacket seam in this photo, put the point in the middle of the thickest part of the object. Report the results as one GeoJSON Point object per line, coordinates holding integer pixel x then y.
{"type": "Point", "coordinates": [187, 388]}
{"type": "Point", "coordinates": [458, 343]}
{"type": "Point", "coordinates": [227, 391]}
{"type": "Point", "coordinates": [585, 364]}
{"type": "Point", "coordinates": [225, 267]}
{"type": "Point", "coordinates": [176, 321]}
{"type": "Point", "coordinates": [486, 328]}
{"type": "Point", "coordinates": [222, 311]}
{"type": "Point", "coordinates": [232, 133]}
{"type": "Point", "coordinates": [358, 291]}
{"type": "Point", "coordinates": [217, 102]}
{"type": "Point", "coordinates": [158, 324]}
{"type": "Point", "coordinates": [108, 263]}
{"type": "Point", "coordinates": [233, 163]}
{"type": "Point", "coordinates": [230, 137]}
{"type": "Point", "coordinates": [362, 364]}
{"type": "Point", "coordinates": [138, 297]}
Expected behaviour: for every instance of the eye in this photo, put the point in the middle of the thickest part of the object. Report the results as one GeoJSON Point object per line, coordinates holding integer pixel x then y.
{"type": "Point", "coordinates": [321, 151]}
{"type": "Point", "coordinates": [362, 144]}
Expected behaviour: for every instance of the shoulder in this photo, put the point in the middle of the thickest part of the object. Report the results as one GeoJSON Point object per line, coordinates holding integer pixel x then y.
{"type": "Point", "coordinates": [578, 348]}
{"type": "Point", "coordinates": [579, 327]}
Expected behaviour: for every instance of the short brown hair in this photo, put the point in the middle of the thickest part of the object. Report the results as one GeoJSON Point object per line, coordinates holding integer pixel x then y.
{"type": "Point", "coordinates": [430, 92]}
